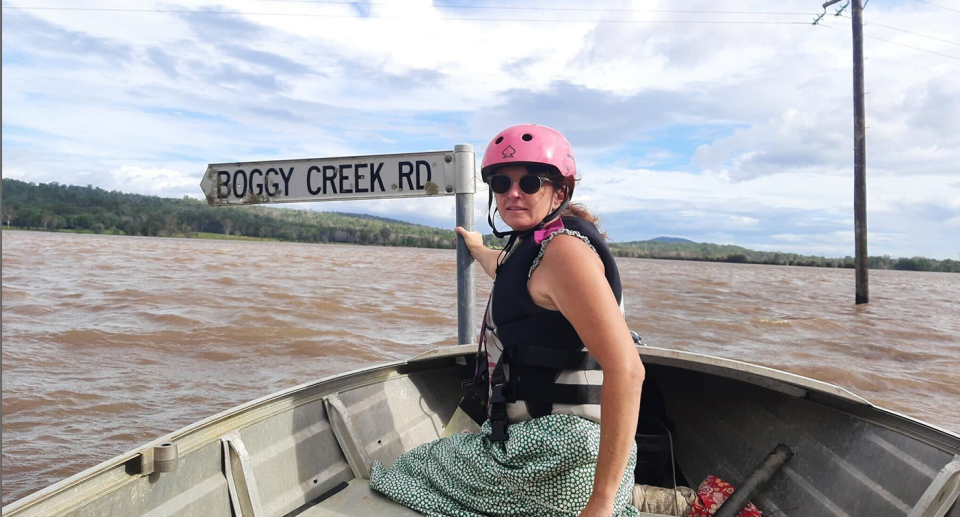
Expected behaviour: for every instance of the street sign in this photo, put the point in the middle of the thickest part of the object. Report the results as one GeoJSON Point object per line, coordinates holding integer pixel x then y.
{"type": "Point", "coordinates": [362, 177]}
{"type": "Point", "coordinates": [331, 179]}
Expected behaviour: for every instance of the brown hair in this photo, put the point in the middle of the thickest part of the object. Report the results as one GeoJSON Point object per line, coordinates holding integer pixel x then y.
{"type": "Point", "coordinates": [567, 184]}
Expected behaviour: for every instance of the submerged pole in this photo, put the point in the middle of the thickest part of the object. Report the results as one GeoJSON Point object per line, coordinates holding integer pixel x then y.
{"type": "Point", "coordinates": [859, 157]}
{"type": "Point", "coordinates": [466, 186]}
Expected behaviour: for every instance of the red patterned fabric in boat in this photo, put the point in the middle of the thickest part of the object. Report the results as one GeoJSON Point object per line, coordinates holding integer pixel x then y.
{"type": "Point", "coordinates": [712, 493]}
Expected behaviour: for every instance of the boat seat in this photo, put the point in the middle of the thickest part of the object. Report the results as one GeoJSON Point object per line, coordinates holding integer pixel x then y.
{"type": "Point", "coordinates": [357, 499]}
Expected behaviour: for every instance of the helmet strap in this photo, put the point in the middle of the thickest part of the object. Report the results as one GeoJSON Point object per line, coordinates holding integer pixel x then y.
{"type": "Point", "coordinates": [514, 235]}
{"type": "Point", "coordinates": [550, 217]}
{"type": "Point", "coordinates": [492, 211]}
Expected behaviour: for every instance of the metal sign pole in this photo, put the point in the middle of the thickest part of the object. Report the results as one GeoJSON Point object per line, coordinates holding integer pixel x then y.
{"type": "Point", "coordinates": [466, 186]}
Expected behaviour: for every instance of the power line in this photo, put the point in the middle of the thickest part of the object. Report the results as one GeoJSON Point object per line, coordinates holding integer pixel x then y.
{"type": "Point", "coordinates": [559, 9]}
{"type": "Point", "coordinates": [909, 32]}
{"type": "Point", "coordinates": [915, 33]}
{"type": "Point", "coordinates": [325, 15]}
{"type": "Point", "coordinates": [893, 42]}
{"type": "Point", "coordinates": [938, 5]}
{"type": "Point", "coordinates": [358, 16]}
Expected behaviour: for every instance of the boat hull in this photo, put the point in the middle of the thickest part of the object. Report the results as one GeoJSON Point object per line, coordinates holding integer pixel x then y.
{"type": "Point", "coordinates": [307, 450]}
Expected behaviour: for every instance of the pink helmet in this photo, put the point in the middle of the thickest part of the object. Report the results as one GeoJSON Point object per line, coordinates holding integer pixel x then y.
{"type": "Point", "coordinates": [527, 144]}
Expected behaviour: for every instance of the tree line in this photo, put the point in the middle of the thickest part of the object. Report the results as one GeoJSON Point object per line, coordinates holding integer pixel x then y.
{"type": "Point", "coordinates": [53, 207]}
{"type": "Point", "coordinates": [736, 254]}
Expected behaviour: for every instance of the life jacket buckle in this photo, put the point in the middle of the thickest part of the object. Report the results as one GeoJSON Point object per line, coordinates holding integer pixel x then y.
{"type": "Point", "coordinates": [496, 397]}
{"type": "Point", "coordinates": [498, 431]}
{"type": "Point", "coordinates": [498, 415]}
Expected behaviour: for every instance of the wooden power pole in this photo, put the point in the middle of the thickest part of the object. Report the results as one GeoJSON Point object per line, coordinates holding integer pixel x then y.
{"type": "Point", "coordinates": [859, 152]}
{"type": "Point", "coordinates": [859, 156]}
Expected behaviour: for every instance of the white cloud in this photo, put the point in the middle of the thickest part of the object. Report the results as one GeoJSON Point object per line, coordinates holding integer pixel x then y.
{"type": "Point", "coordinates": [152, 180]}
{"type": "Point", "coordinates": [13, 173]}
{"type": "Point", "coordinates": [788, 237]}
{"type": "Point", "coordinates": [142, 101]}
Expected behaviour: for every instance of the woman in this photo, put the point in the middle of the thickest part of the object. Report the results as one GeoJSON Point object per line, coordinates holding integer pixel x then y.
{"type": "Point", "coordinates": [556, 290]}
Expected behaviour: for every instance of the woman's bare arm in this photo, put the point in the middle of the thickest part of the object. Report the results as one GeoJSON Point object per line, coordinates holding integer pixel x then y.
{"type": "Point", "coordinates": [571, 279]}
{"type": "Point", "coordinates": [486, 257]}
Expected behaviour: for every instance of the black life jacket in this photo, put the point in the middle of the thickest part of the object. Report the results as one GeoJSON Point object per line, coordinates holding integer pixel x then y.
{"type": "Point", "coordinates": [536, 363]}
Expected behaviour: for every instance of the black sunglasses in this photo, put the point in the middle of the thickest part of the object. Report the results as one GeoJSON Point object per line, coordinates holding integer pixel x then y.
{"type": "Point", "coordinates": [529, 184]}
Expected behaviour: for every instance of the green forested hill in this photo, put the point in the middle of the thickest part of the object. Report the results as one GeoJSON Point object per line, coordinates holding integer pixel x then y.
{"type": "Point", "coordinates": [54, 207]}
{"type": "Point", "coordinates": [728, 253]}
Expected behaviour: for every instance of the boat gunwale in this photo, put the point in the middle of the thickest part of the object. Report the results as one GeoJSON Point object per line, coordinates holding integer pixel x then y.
{"type": "Point", "coordinates": [714, 364]}
{"type": "Point", "coordinates": [828, 394]}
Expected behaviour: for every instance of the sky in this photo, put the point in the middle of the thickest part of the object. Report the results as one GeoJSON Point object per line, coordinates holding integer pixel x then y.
{"type": "Point", "coordinates": [724, 121]}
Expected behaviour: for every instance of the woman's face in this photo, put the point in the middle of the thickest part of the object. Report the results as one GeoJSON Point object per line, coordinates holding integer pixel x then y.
{"type": "Point", "coordinates": [522, 211]}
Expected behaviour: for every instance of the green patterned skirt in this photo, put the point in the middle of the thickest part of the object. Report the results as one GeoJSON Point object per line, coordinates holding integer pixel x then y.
{"type": "Point", "coordinates": [545, 468]}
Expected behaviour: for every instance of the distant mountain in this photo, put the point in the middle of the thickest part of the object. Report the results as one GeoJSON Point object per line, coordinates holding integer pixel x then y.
{"type": "Point", "coordinates": [671, 239]}
{"type": "Point", "coordinates": [682, 249]}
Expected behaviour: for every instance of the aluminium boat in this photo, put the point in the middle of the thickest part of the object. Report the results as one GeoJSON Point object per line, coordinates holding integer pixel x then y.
{"type": "Point", "coordinates": [307, 451]}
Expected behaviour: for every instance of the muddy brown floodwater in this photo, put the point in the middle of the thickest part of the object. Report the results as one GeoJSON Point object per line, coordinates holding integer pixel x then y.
{"type": "Point", "coordinates": [109, 342]}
